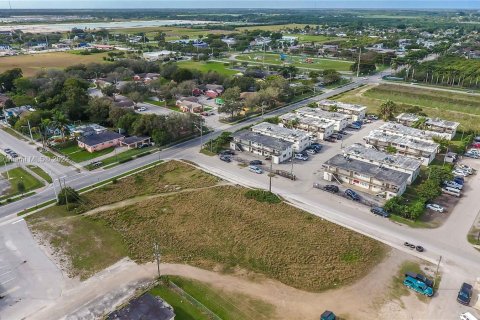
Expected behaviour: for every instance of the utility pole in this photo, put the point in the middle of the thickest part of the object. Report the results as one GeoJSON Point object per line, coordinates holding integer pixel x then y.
{"type": "Point", "coordinates": [359, 59]}
{"type": "Point", "coordinates": [30, 130]}
{"type": "Point", "coordinates": [55, 189]}
{"type": "Point", "coordinates": [436, 271]}
{"type": "Point", "coordinates": [64, 191]}
{"type": "Point", "coordinates": [270, 174]}
{"type": "Point", "coordinates": [5, 163]}
{"type": "Point", "coordinates": [156, 252]}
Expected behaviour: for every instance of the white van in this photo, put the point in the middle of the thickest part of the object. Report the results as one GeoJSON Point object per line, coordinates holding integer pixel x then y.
{"type": "Point", "coordinates": [467, 316]}
{"type": "Point", "coordinates": [451, 191]}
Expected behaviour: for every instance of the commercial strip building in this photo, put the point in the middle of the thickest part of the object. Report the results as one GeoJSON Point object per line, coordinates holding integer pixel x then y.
{"type": "Point", "coordinates": [320, 128]}
{"type": "Point", "coordinates": [409, 132]}
{"type": "Point", "coordinates": [396, 162]}
{"type": "Point", "coordinates": [354, 112]}
{"type": "Point", "coordinates": [368, 177]}
{"type": "Point", "coordinates": [299, 139]}
{"type": "Point", "coordinates": [433, 124]}
{"type": "Point", "coordinates": [418, 149]}
{"type": "Point", "coordinates": [263, 145]}
{"type": "Point", "coordinates": [340, 120]}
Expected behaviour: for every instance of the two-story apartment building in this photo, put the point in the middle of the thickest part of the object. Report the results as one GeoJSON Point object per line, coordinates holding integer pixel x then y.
{"type": "Point", "coordinates": [354, 112]}
{"type": "Point", "coordinates": [248, 141]}
{"type": "Point", "coordinates": [366, 176]}
{"type": "Point", "coordinates": [396, 162]}
{"type": "Point", "coordinates": [418, 149]}
{"type": "Point", "coordinates": [409, 132]}
{"type": "Point", "coordinates": [299, 139]}
{"type": "Point", "coordinates": [448, 128]}
{"type": "Point", "coordinates": [340, 120]}
{"type": "Point", "coordinates": [320, 128]}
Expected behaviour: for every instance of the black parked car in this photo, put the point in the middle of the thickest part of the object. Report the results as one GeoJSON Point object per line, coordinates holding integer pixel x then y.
{"type": "Point", "coordinates": [380, 212]}
{"type": "Point", "coordinates": [352, 195]}
{"type": "Point", "coordinates": [255, 163]}
{"type": "Point", "coordinates": [227, 152]}
{"type": "Point", "coordinates": [331, 188]}
{"type": "Point", "coordinates": [225, 158]}
{"type": "Point", "coordinates": [465, 294]}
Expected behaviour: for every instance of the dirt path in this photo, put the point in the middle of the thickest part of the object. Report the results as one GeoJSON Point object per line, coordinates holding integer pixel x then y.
{"type": "Point", "coordinates": [114, 285]}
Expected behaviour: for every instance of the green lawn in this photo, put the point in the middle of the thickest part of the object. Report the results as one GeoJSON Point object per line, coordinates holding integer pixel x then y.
{"type": "Point", "coordinates": [123, 157]}
{"type": "Point", "coordinates": [302, 38]}
{"type": "Point", "coordinates": [184, 310]}
{"type": "Point", "coordinates": [208, 66]}
{"type": "Point", "coordinates": [459, 107]}
{"type": "Point", "coordinates": [77, 154]}
{"type": "Point", "coordinates": [295, 60]}
{"type": "Point", "coordinates": [39, 171]}
{"type": "Point", "coordinates": [226, 305]}
{"type": "Point", "coordinates": [18, 174]}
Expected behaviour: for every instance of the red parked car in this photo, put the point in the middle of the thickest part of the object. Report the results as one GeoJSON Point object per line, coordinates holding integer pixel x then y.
{"type": "Point", "coordinates": [476, 145]}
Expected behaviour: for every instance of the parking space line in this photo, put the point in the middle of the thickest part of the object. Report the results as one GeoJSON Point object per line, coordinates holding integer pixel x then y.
{"type": "Point", "coordinates": [6, 273]}
{"type": "Point", "coordinates": [2, 283]}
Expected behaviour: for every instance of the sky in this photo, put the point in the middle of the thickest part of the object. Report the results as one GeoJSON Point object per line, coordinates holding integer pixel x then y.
{"type": "Point", "coordinates": [278, 4]}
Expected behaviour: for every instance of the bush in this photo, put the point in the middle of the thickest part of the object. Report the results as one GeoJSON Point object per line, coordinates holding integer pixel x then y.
{"type": "Point", "coordinates": [125, 160]}
{"type": "Point", "coordinates": [69, 195]}
{"type": "Point", "coordinates": [262, 196]}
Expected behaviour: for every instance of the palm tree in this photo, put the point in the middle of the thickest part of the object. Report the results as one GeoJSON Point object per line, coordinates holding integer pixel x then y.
{"type": "Point", "coordinates": [60, 121]}
{"type": "Point", "coordinates": [387, 109]}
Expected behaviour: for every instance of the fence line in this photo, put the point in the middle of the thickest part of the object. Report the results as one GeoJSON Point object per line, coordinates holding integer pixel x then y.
{"type": "Point", "coordinates": [193, 300]}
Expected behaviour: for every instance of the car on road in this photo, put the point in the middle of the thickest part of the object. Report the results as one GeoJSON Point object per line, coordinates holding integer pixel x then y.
{"type": "Point", "coordinates": [142, 109]}
{"type": "Point", "coordinates": [256, 163]}
{"type": "Point", "coordinates": [379, 211]}
{"type": "Point", "coordinates": [225, 158]}
{"type": "Point", "coordinates": [465, 294]}
{"type": "Point", "coordinates": [331, 188]}
{"type": "Point", "coordinates": [301, 156]}
{"type": "Point", "coordinates": [255, 169]}
{"type": "Point", "coordinates": [8, 151]}
{"type": "Point", "coordinates": [435, 207]}
{"type": "Point", "coordinates": [352, 195]}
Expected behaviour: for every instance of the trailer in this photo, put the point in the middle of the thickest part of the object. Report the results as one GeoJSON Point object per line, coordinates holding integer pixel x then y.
{"type": "Point", "coordinates": [418, 286]}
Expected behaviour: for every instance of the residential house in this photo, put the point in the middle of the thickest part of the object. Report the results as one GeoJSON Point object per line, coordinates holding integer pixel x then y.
{"type": "Point", "coordinates": [365, 176]}
{"type": "Point", "coordinates": [189, 106]}
{"type": "Point", "coordinates": [340, 120]}
{"type": "Point", "coordinates": [418, 149]}
{"type": "Point", "coordinates": [100, 141]}
{"type": "Point", "coordinates": [355, 112]}
{"type": "Point", "coordinates": [135, 142]}
{"type": "Point", "coordinates": [17, 111]}
{"type": "Point", "coordinates": [299, 139]}
{"type": "Point", "coordinates": [396, 162]}
{"type": "Point", "coordinates": [263, 145]}
{"type": "Point", "coordinates": [320, 128]}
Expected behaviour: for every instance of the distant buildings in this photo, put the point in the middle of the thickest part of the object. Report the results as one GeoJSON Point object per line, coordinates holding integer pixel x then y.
{"type": "Point", "coordinates": [355, 112]}
{"type": "Point", "coordinates": [340, 120]}
{"type": "Point", "coordinates": [158, 55]}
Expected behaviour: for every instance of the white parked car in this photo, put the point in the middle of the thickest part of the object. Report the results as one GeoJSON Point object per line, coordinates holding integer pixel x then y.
{"type": "Point", "coordinates": [465, 167]}
{"type": "Point", "coordinates": [435, 207]}
{"type": "Point", "coordinates": [255, 169]}
{"type": "Point", "coordinates": [301, 156]}
{"type": "Point", "coordinates": [467, 171]}
{"type": "Point", "coordinates": [459, 172]}
{"type": "Point", "coordinates": [142, 109]}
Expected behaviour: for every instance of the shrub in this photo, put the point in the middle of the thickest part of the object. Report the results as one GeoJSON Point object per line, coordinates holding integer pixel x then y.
{"type": "Point", "coordinates": [69, 195]}
{"type": "Point", "coordinates": [262, 196]}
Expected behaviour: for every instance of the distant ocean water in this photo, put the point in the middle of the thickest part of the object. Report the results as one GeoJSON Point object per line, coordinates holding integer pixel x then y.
{"type": "Point", "coordinates": [276, 4]}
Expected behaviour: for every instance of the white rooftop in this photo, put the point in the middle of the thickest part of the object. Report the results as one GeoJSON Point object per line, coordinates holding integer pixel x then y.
{"type": "Point", "coordinates": [320, 114]}
{"type": "Point", "coordinates": [411, 143]}
{"type": "Point", "coordinates": [317, 122]}
{"type": "Point", "coordinates": [279, 132]}
{"type": "Point", "coordinates": [400, 129]}
{"type": "Point", "coordinates": [342, 105]}
{"type": "Point", "coordinates": [437, 122]}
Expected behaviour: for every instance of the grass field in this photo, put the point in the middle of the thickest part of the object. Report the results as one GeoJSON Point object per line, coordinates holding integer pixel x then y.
{"type": "Point", "coordinates": [273, 27]}
{"type": "Point", "coordinates": [297, 61]}
{"type": "Point", "coordinates": [77, 154]}
{"type": "Point", "coordinates": [303, 38]}
{"type": "Point", "coordinates": [31, 64]}
{"type": "Point", "coordinates": [208, 66]}
{"type": "Point", "coordinates": [225, 305]}
{"type": "Point", "coordinates": [18, 174]}
{"type": "Point", "coordinates": [460, 107]}
{"type": "Point", "coordinates": [209, 226]}
{"type": "Point", "coordinates": [39, 171]}
{"type": "Point", "coordinates": [172, 33]}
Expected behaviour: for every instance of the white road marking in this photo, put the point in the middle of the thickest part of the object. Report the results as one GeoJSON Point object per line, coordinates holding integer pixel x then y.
{"type": "Point", "coordinates": [6, 273]}
{"type": "Point", "coordinates": [2, 283]}
{"type": "Point", "coordinates": [17, 221]}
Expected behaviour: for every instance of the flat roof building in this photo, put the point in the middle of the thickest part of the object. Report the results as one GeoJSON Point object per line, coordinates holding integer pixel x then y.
{"type": "Point", "coordinates": [263, 145]}
{"type": "Point", "coordinates": [299, 139]}
{"type": "Point", "coordinates": [340, 120]}
{"type": "Point", "coordinates": [363, 175]}
{"type": "Point", "coordinates": [397, 162]}
{"type": "Point", "coordinates": [422, 150]}
{"type": "Point", "coordinates": [353, 111]}
{"type": "Point", "coordinates": [433, 124]}
{"type": "Point", "coordinates": [321, 128]}
{"type": "Point", "coordinates": [404, 131]}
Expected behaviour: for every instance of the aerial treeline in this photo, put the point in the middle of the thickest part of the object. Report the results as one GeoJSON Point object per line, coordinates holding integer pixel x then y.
{"type": "Point", "coordinates": [446, 71]}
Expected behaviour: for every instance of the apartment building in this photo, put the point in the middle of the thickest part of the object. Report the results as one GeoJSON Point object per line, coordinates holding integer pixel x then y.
{"type": "Point", "coordinates": [409, 132]}
{"type": "Point", "coordinates": [396, 162]}
{"type": "Point", "coordinates": [299, 139]}
{"type": "Point", "coordinates": [354, 112]}
{"type": "Point", "coordinates": [418, 149]}
{"type": "Point", "coordinates": [263, 145]}
{"type": "Point", "coordinates": [449, 128]}
{"type": "Point", "coordinates": [340, 120]}
{"type": "Point", "coordinates": [319, 128]}
{"type": "Point", "coordinates": [368, 177]}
